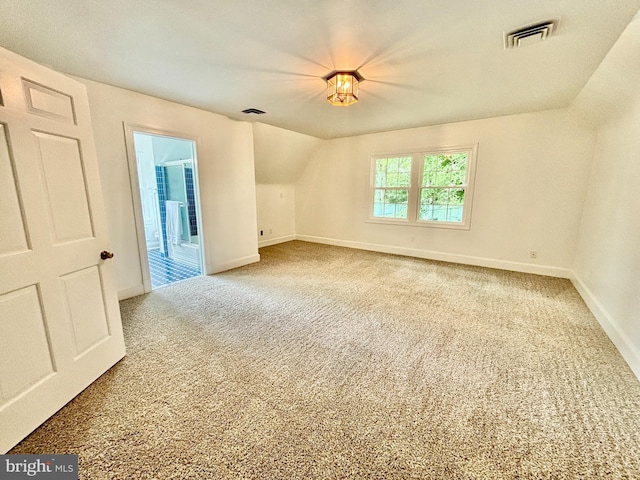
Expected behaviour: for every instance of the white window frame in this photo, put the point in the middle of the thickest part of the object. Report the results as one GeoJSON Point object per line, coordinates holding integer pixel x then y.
{"type": "Point", "coordinates": [417, 166]}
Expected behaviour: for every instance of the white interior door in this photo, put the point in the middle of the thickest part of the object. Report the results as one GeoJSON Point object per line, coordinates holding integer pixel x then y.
{"type": "Point", "coordinates": [60, 323]}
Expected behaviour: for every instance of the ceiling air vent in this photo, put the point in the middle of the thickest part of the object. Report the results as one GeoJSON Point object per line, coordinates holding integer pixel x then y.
{"type": "Point", "coordinates": [530, 34]}
{"type": "Point", "coordinates": [253, 110]}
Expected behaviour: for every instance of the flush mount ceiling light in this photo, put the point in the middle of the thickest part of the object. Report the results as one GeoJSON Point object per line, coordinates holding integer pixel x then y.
{"type": "Point", "coordinates": [342, 87]}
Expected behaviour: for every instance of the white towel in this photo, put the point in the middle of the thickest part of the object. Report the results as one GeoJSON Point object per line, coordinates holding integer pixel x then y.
{"type": "Point", "coordinates": [174, 222]}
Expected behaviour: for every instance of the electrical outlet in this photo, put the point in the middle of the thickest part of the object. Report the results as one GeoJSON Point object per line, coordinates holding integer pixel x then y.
{"type": "Point", "coordinates": [533, 254]}
{"type": "Point", "coordinates": [261, 232]}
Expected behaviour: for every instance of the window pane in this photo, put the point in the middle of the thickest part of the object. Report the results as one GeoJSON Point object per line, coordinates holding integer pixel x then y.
{"type": "Point", "coordinates": [427, 203]}
{"type": "Point", "coordinates": [443, 179]}
{"type": "Point", "coordinates": [442, 196]}
{"type": "Point", "coordinates": [430, 162]}
{"type": "Point", "coordinates": [459, 161]}
{"type": "Point", "coordinates": [445, 162]}
{"type": "Point", "coordinates": [454, 213]}
{"type": "Point", "coordinates": [393, 172]}
{"type": "Point", "coordinates": [456, 161]}
{"type": "Point", "coordinates": [456, 196]}
{"type": "Point", "coordinates": [428, 178]}
{"type": "Point", "coordinates": [458, 177]}
{"type": "Point", "coordinates": [396, 196]}
{"type": "Point", "coordinates": [441, 204]}
{"type": "Point", "coordinates": [390, 203]}
{"type": "Point", "coordinates": [404, 164]}
{"type": "Point", "coordinates": [392, 179]}
{"type": "Point", "coordinates": [401, 211]}
{"type": "Point", "coordinates": [456, 202]}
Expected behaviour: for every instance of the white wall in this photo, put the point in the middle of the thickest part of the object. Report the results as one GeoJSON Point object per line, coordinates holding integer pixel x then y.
{"type": "Point", "coordinates": [531, 177]}
{"type": "Point", "coordinates": [280, 156]}
{"type": "Point", "coordinates": [276, 213]}
{"type": "Point", "coordinates": [607, 261]}
{"type": "Point", "coordinates": [226, 178]}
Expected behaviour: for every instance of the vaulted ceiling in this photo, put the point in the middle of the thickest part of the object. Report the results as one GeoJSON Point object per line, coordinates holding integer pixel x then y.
{"type": "Point", "coordinates": [425, 62]}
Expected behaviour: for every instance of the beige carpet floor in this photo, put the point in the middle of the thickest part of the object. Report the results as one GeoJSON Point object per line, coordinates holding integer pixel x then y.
{"type": "Point", "coordinates": [329, 363]}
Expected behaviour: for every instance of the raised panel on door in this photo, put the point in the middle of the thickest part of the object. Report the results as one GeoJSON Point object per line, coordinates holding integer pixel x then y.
{"type": "Point", "coordinates": [13, 238]}
{"type": "Point", "coordinates": [66, 187]}
{"type": "Point", "coordinates": [25, 341]}
{"type": "Point", "coordinates": [86, 308]}
{"type": "Point", "coordinates": [47, 102]}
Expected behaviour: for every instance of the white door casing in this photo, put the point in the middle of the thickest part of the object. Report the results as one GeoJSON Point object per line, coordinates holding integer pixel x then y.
{"type": "Point", "coordinates": [60, 326]}
{"type": "Point", "coordinates": [136, 193]}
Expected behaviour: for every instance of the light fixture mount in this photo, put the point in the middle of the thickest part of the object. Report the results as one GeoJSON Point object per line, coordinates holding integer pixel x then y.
{"type": "Point", "coordinates": [342, 87]}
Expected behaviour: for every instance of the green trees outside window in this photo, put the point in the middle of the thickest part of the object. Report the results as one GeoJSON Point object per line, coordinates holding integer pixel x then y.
{"type": "Point", "coordinates": [443, 187]}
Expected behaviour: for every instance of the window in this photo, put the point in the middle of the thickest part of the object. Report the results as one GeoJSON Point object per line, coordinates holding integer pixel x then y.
{"type": "Point", "coordinates": [393, 181]}
{"type": "Point", "coordinates": [443, 187]}
{"type": "Point", "coordinates": [431, 188]}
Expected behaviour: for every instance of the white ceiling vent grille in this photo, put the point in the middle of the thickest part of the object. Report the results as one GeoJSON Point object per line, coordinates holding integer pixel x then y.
{"type": "Point", "coordinates": [528, 35]}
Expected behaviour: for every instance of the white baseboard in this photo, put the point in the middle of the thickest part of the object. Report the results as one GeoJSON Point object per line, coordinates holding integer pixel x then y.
{"type": "Point", "coordinates": [238, 262]}
{"type": "Point", "coordinates": [274, 241]}
{"type": "Point", "coordinates": [444, 257]}
{"type": "Point", "coordinates": [626, 348]}
{"type": "Point", "coordinates": [130, 292]}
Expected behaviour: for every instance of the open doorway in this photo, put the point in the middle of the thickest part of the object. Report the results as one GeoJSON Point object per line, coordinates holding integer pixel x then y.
{"type": "Point", "coordinates": [167, 215]}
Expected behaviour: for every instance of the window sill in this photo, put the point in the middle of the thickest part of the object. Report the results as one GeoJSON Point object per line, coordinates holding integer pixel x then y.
{"type": "Point", "coordinates": [409, 223]}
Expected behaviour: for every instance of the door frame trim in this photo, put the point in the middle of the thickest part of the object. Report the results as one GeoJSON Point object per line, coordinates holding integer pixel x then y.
{"type": "Point", "coordinates": [129, 129]}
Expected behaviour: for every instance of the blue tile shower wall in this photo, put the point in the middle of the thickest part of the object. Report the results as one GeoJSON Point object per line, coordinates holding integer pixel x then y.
{"type": "Point", "coordinates": [162, 197]}
{"type": "Point", "coordinates": [191, 201]}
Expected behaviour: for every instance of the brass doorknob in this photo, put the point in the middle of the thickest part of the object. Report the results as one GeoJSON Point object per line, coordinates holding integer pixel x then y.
{"type": "Point", "coordinates": [104, 255]}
